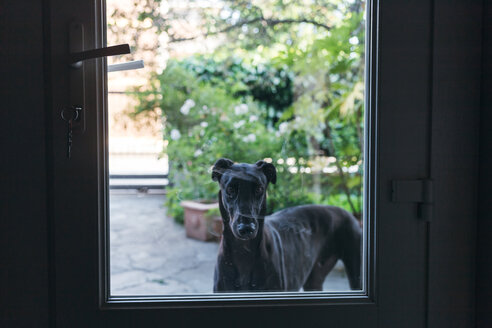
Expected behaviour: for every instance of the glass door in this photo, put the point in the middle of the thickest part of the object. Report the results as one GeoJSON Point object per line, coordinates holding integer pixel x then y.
{"type": "Point", "coordinates": [336, 137]}
{"type": "Point", "coordinates": [237, 81]}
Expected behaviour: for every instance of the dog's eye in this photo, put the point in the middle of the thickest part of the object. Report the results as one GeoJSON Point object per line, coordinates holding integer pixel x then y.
{"type": "Point", "coordinates": [259, 190]}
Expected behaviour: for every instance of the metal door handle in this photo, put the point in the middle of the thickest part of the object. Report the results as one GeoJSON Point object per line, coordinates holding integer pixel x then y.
{"type": "Point", "coordinates": [77, 54]}
{"type": "Point", "coordinates": [77, 58]}
{"type": "Point", "coordinates": [136, 64]}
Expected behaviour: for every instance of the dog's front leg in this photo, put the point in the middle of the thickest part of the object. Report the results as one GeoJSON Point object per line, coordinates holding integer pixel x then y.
{"type": "Point", "coordinates": [224, 276]}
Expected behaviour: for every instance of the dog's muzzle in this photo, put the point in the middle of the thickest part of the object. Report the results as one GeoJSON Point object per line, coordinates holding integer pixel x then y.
{"type": "Point", "coordinates": [246, 227]}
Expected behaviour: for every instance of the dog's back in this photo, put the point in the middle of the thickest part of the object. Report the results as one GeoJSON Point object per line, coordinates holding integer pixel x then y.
{"type": "Point", "coordinates": [309, 236]}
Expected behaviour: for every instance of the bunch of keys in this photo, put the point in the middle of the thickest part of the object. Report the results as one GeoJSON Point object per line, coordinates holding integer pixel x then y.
{"type": "Point", "coordinates": [69, 115]}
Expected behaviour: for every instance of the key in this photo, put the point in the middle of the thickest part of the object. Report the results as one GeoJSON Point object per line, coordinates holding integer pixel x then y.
{"type": "Point", "coordinates": [70, 114]}
{"type": "Point", "coordinates": [69, 138]}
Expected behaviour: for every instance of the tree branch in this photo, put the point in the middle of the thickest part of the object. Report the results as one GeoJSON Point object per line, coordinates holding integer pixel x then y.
{"type": "Point", "coordinates": [340, 171]}
{"type": "Point", "coordinates": [268, 21]}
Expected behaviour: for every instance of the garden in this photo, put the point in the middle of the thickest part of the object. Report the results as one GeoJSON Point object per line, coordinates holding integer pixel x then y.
{"type": "Point", "coordinates": [283, 82]}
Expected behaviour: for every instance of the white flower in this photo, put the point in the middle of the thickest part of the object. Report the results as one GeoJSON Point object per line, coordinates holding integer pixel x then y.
{"type": "Point", "coordinates": [175, 135]}
{"type": "Point", "coordinates": [198, 152]}
{"type": "Point", "coordinates": [291, 161]}
{"type": "Point", "coordinates": [293, 169]}
{"type": "Point", "coordinates": [185, 110]}
{"type": "Point", "coordinates": [188, 104]}
{"type": "Point", "coordinates": [241, 109]}
{"type": "Point", "coordinates": [204, 124]}
{"type": "Point", "coordinates": [239, 124]}
{"type": "Point", "coordinates": [354, 40]}
{"type": "Point", "coordinates": [253, 118]}
{"type": "Point", "coordinates": [353, 168]}
{"type": "Point", "coordinates": [250, 138]}
{"type": "Point", "coordinates": [283, 127]}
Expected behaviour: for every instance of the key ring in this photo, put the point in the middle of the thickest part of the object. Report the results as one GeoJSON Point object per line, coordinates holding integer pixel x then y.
{"type": "Point", "coordinates": [75, 113]}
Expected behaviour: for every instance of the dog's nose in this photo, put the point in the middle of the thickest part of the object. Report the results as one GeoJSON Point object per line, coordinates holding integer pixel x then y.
{"type": "Point", "coordinates": [246, 229]}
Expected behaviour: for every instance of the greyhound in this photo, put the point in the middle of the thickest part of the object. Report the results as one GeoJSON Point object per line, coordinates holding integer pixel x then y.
{"type": "Point", "coordinates": [293, 248]}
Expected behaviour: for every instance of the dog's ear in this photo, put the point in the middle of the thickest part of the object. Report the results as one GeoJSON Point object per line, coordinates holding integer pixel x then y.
{"type": "Point", "coordinates": [269, 170]}
{"type": "Point", "coordinates": [219, 167]}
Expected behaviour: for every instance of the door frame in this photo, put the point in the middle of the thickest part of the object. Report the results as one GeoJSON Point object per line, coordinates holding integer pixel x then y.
{"type": "Point", "coordinates": [363, 297]}
{"type": "Point", "coordinates": [403, 104]}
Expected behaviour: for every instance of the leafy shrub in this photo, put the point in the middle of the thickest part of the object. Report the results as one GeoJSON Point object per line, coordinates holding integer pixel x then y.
{"type": "Point", "coordinates": [210, 113]}
{"type": "Point", "coordinates": [301, 105]}
{"type": "Point", "coordinates": [269, 86]}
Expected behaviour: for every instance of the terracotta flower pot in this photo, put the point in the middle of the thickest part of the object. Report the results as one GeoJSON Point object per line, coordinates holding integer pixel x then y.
{"type": "Point", "coordinates": [198, 224]}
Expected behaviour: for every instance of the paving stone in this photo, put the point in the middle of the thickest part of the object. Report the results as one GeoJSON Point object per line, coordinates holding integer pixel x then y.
{"type": "Point", "coordinates": [150, 254]}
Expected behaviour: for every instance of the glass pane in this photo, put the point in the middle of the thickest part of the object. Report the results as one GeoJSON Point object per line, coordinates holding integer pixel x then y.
{"type": "Point", "coordinates": [235, 154]}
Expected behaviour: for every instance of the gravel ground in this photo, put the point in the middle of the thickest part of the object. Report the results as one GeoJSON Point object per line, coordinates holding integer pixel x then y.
{"type": "Point", "coordinates": [150, 254]}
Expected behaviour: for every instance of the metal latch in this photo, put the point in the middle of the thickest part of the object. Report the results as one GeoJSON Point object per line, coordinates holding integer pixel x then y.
{"type": "Point", "coordinates": [415, 191]}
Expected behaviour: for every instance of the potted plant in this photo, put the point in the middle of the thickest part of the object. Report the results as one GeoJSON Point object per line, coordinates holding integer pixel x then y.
{"type": "Point", "coordinates": [202, 220]}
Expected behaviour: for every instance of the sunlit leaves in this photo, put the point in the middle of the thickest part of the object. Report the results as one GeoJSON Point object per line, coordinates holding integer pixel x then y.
{"type": "Point", "coordinates": [298, 64]}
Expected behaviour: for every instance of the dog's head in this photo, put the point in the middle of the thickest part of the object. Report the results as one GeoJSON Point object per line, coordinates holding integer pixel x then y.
{"type": "Point", "coordinates": [243, 194]}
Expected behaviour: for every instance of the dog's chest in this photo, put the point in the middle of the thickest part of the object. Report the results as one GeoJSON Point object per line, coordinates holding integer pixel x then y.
{"type": "Point", "coordinates": [256, 276]}
{"type": "Point", "coordinates": [249, 274]}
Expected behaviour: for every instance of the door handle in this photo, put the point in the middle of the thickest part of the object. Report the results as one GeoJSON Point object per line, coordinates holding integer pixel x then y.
{"type": "Point", "coordinates": [136, 64]}
{"type": "Point", "coordinates": [77, 58]}
{"type": "Point", "coordinates": [77, 55]}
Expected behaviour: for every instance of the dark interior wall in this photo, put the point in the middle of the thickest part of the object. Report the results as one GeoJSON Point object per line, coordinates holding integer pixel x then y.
{"type": "Point", "coordinates": [484, 245]}
{"type": "Point", "coordinates": [23, 228]}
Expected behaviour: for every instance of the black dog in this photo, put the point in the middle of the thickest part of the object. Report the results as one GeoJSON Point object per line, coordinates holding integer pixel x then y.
{"type": "Point", "coordinates": [293, 248]}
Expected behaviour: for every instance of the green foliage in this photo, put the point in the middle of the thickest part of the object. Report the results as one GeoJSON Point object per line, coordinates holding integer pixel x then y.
{"type": "Point", "coordinates": [174, 209]}
{"type": "Point", "coordinates": [203, 123]}
{"type": "Point", "coordinates": [287, 85]}
{"type": "Point", "coordinates": [270, 87]}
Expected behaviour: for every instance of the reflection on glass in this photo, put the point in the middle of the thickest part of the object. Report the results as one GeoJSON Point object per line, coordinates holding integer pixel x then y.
{"type": "Point", "coordinates": [236, 154]}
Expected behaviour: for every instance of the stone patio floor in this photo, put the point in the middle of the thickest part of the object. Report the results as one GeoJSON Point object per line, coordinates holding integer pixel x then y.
{"type": "Point", "coordinates": [150, 254]}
